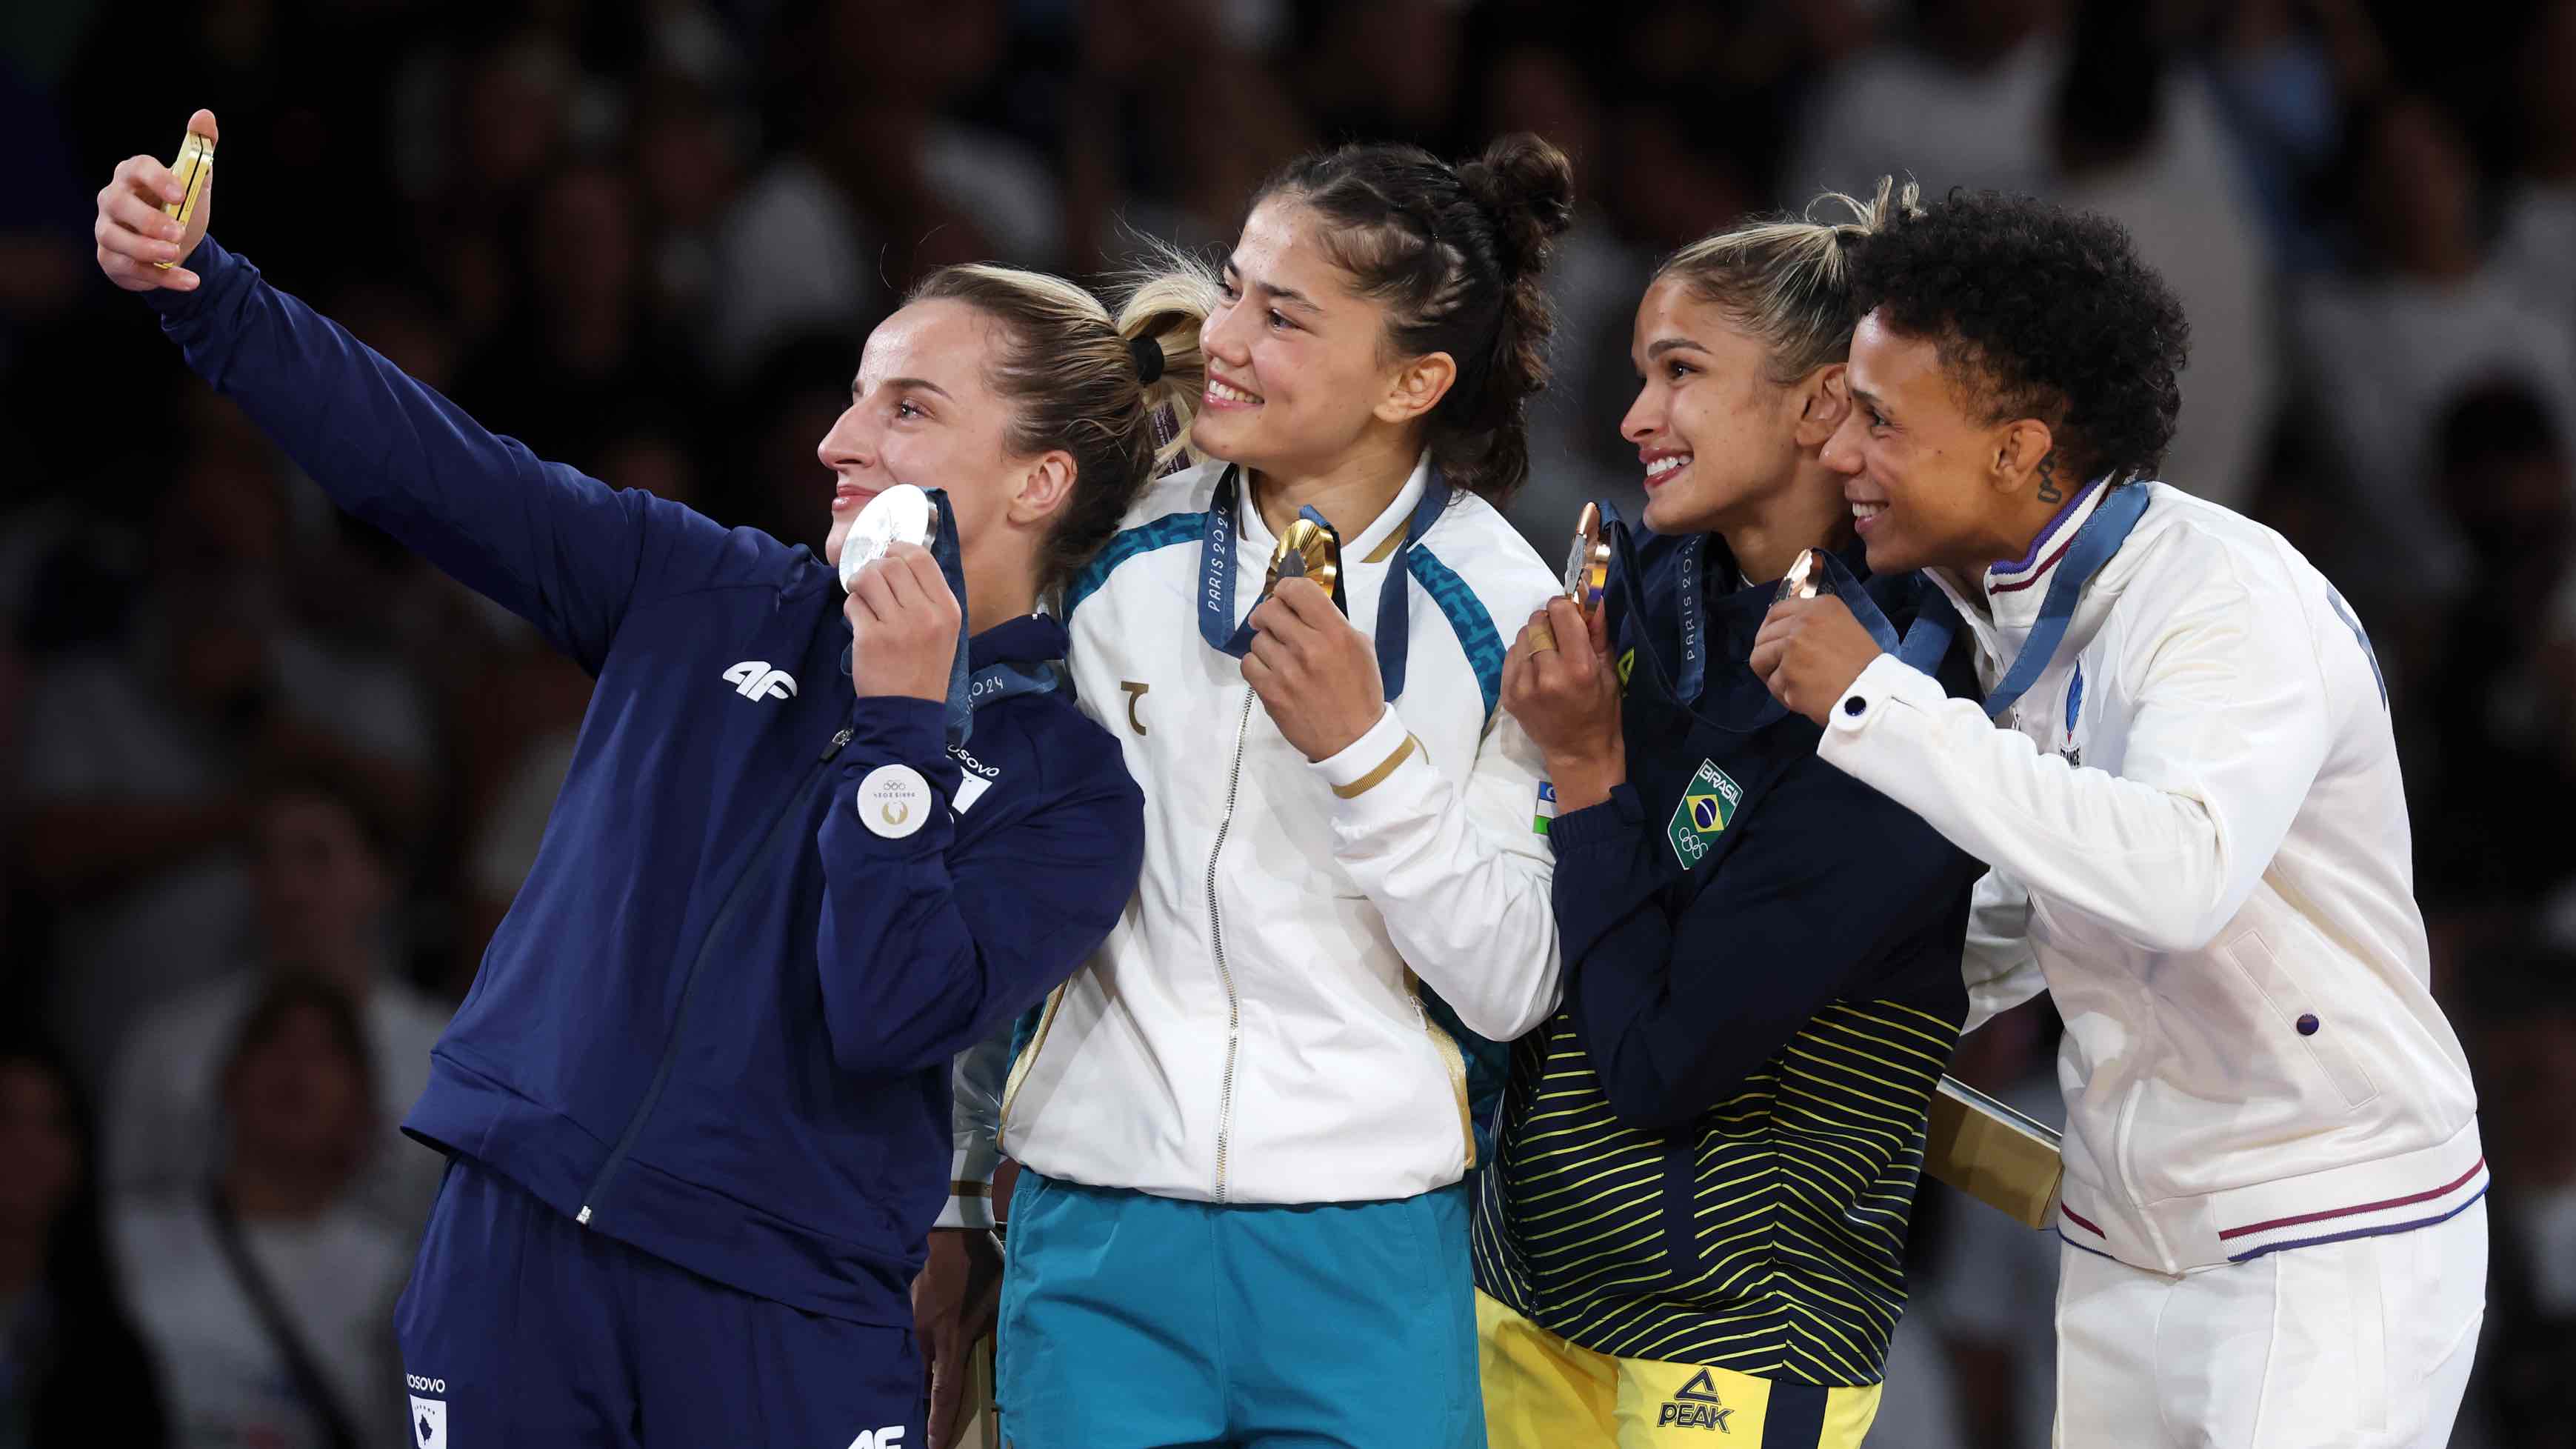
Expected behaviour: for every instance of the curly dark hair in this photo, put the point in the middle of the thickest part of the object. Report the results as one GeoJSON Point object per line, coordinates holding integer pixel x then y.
{"type": "Point", "coordinates": [2038, 312]}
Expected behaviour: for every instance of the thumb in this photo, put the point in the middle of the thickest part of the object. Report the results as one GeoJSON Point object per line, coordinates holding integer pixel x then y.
{"type": "Point", "coordinates": [1597, 624]}
{"type": "Point", "coordinates": [202, 123]}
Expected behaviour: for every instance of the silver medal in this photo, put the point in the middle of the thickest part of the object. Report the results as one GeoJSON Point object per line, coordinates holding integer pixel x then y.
{"type": "Point", "coordinates": [901, 514]}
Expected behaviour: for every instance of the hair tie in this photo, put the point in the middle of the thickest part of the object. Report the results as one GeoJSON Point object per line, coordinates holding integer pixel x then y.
{"type": "Point", "coordinates": [1149, 358]}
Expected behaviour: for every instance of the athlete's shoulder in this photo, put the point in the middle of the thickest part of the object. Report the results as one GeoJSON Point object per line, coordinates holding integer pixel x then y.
{"type": "Point", "coordinates": [1046, 740]}
{"type": "Point", "coordinates": [1170, 511]}
{"type": "Point", "coordinates": [1187, 491]}
{"type": "Point", "coordinates": [2185, 542]}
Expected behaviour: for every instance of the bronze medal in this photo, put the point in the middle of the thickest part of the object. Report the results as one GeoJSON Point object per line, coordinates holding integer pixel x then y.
{"type": "Point", "coordinates": [1587, 566]}
{"type": "Point", "coordinates": [1804, 579]}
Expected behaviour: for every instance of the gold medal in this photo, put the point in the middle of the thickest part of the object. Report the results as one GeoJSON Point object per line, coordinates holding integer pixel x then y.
{"type": "Point", "coordinates": [1805, 578]}
{"type": "Point", "coordinates": [195, 164]}
{"type": "Point", "coordinates": [1306, 550]}
{"type": "Point", "coordinates": [1587, 567]}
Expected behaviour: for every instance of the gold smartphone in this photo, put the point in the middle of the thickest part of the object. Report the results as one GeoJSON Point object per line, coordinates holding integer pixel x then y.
{"type": "Point", "coordinates": [195, 164]}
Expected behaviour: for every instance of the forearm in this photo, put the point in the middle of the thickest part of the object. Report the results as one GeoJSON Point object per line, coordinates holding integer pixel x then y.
{"type": "Point", "coordinates": [2149, 861]}
{"type": "Point", "coordinates": [927, 947]}
{"type": "Point", "coordinates": [553, 546]}
{"type": "Point", "coordinates": [1471, 918]}
{"type": "Point", "coordinates": [1681, 991]}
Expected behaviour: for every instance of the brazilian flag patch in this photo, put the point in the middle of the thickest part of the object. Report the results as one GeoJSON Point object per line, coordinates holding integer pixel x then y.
{"type": "Point", "coordinates": [1707, 807]}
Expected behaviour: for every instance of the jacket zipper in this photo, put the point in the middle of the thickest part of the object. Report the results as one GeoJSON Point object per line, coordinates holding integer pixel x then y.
{"type": "Point", "coordinates": [592, 1196]}
{"type": "Point", "coordinates": [1216, 934]}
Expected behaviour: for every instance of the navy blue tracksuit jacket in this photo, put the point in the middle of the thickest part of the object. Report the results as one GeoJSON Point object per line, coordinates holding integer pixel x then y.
{"type": "Point", "coordinates": [717, 1023]}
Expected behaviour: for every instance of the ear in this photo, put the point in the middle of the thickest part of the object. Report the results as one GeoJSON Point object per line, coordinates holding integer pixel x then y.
{"type": "Point", "coordinates": [1417, 387]}
{"type": "Point", "coordinates": [1824, 401]}
{"type": "Point", "coordinates": [1044, 488]}
{"type": "Point", "coordinates": [2019, 447]}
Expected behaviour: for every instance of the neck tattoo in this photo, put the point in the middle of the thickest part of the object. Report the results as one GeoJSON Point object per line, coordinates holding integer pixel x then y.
{"type": "Point", "coordinates": [2048, 489]}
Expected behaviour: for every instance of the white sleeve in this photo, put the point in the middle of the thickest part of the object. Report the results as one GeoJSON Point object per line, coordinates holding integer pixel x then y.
{"type": "Point", "coordinates": [975, 1120]}
{"type": "Point", "coordinates": [1461, 877]}
{"type": "Point", "coordinates": [2001, 969]}
{"type": "Point", "coordinates": [2228, 726]}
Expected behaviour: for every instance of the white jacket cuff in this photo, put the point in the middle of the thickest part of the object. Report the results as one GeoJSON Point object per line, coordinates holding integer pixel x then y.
{"type": "Point", "coordinates": [1364, 766]}
{"type": "Point", "coordinates": [1888, 690]}
{"type": "Point", "coordinates": [970, 1187]}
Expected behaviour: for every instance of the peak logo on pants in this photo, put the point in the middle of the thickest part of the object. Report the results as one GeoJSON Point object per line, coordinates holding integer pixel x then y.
{"type": "Point", "coordinates": [428, 1423]}
{"type": "Point", "coordinates": [890, 1437]}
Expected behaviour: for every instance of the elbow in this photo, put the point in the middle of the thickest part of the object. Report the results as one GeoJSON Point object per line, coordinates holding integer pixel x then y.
{"type": "Point", "coordinates": [1508, 1021]}
{"type": "Point", "coordinates": [1646, 1106]}
{"type": "Point", "coordinates": [1642, 1098]}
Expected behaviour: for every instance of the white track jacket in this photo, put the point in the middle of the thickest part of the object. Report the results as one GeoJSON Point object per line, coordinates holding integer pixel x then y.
{"type": "Point", "coordinates": [2199, 845]}
{"type": "Point", "coordinates": [1253, 1031]}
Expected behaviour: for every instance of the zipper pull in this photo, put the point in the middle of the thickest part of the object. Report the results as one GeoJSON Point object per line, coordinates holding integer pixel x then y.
{"type": "Point", "coordinates": [838, 741]}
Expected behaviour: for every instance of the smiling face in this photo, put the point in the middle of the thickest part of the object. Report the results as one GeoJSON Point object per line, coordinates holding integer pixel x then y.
{"type": "Point", "coordinates": [923, 411]}
{"type": "Point", "coordinates": [1921, 469]}
{"type": "Point", "coordinates": [1297, 373]}
{"type": "Point", "coordinates": [1715, 434]}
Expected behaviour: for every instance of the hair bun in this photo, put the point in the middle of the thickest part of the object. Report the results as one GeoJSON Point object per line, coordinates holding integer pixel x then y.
{"type": "Point", "coordinates": [1527, 186]}
{"type": "Point", "coordinates": [1148, 355]}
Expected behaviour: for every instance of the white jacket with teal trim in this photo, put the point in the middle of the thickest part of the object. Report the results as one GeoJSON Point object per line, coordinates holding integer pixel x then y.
{"type": "Point", "coordinates": [1253, 1030]}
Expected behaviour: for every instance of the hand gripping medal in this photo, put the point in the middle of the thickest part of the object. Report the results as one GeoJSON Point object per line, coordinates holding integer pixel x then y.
{"type": "Point", "coordinates": [196, 163]}
{"type": "Point", "coordinates": [908, 514]}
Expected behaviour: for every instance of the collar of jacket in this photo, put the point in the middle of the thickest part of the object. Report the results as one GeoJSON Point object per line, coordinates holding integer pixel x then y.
{"type": "Point", "coordinates": [1372, 545]}
{"type": "Point", "coordinates": [2008, 595]}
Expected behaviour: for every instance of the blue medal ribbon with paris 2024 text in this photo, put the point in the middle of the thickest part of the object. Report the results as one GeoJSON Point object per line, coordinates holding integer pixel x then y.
{"type": "Point", "coordinates": [1217, 567]}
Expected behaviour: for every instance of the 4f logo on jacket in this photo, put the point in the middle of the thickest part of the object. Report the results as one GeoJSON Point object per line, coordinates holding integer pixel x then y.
{"type": "Point", "coordinates": [754, 679]}
{"type": "Point", "coordinates": [890, 1437]}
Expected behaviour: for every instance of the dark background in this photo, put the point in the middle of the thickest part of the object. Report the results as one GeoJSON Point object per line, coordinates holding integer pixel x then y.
{"type": "Point", "coordinates": [244, 741]}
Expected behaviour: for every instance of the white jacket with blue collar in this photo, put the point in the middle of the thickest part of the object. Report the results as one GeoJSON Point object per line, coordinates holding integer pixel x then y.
{"type": "Point", "coordinates": [1254, 1028]}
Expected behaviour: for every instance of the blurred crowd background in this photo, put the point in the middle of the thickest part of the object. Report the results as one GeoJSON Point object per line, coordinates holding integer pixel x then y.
{"type": "Point", "coordinates": [267, 783]}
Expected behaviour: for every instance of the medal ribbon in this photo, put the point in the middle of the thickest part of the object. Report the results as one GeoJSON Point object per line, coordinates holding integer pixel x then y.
{"type": "Point", "coordinates": [2092, 547]}
{"type": "Point", "coordinates": [1216, 578]}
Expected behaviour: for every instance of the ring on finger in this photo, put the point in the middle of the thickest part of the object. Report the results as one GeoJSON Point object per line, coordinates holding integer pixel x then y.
{"type": "Point", "coordinates": [1542, 638]}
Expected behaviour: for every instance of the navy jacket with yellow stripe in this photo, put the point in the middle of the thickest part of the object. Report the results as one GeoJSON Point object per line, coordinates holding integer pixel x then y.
{"type": "Point", "coordinates": [1709, 1153]}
